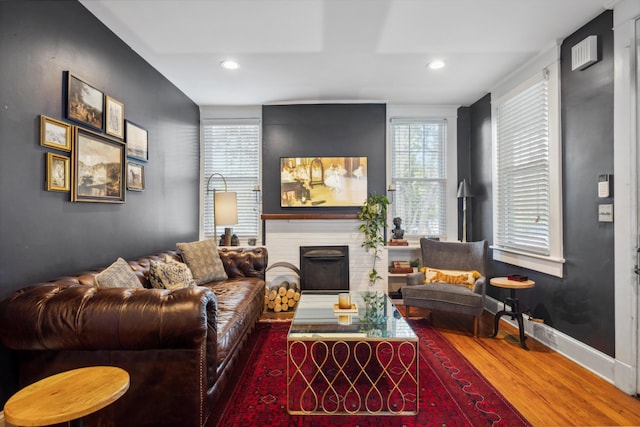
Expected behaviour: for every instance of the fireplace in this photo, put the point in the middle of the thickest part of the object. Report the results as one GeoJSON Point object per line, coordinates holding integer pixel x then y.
{"type": "Point", "coordinates": [324, 267]}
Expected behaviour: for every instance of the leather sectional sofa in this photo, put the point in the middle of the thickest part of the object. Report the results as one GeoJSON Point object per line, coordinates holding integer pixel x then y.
{"type": "Point", "coordinates": [180, 346]}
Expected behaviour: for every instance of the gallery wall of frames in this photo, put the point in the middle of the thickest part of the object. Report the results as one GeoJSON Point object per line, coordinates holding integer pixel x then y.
{"type": "Point", "coordinates": [99, 153]}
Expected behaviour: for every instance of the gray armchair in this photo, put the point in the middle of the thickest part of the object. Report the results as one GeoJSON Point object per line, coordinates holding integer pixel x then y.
{"type": "Point", "coordinates": [446, 297]}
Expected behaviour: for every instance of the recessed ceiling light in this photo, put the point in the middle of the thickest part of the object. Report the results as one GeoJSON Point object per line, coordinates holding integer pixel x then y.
{"type": "Point", "coordinates": [436, 65]}
{"type": "Point", "coordinates": [229, 64]}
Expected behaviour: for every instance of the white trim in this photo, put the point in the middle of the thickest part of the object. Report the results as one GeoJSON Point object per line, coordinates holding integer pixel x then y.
{"type": "Point", "coordinates": [574, 350]}
{"type": "Point", "coordinates": [544, 59]}
{"type": "Point", "coordinates": [625, 166]}
{"type": "Point", "coordinates": [548, 265]}
{"type": "Point", "coordinates": [549, 60]}
{"type": "Point", "coordinates": [230, 115]}
{"type": "Point", "coordinates": [450, 114]}
{"type": "Point", "coordinates": [230, 112]}
{"type": "Point", "coordinates": [326, 101]}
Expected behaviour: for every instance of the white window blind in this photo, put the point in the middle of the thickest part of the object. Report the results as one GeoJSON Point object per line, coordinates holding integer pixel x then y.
{"type": "Point", "coordinates": [522, 168]}
{"type": "Point", "coordinates": [232, 148]}
{"type": "Point", "coordinates": [419, 173]}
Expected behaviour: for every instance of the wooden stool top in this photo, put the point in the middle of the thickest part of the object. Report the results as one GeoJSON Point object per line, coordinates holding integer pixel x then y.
{"type": "Point", "coordinates": [66, 396]}
{"type": "Point", "coordinates": [503, 282]}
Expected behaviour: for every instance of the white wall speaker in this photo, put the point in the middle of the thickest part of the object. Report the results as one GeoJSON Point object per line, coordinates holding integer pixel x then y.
{"type": "Point", "coordinates": [584, 53]}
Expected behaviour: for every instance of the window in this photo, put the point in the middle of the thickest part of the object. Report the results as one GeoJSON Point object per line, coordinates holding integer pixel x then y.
{"type": "Point", "coordinates": [231, 148]}
{"type": "Point", "coordinates": [526, 191]}
{"type": "Point", "coordinates": [419, 173]}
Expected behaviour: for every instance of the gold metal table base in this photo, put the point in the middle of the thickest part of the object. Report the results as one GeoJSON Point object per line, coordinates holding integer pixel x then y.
{"type": "Point", "coordinates": [364, 377]}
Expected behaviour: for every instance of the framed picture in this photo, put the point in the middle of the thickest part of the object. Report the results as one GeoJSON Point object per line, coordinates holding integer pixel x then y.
{"type": "Point", "coordinates": [98, 168]}
{"type": "Point", "coordinates": [58, 177]}
{"type": "Point", "coordinates": [137, 141]}
{"type": "Point", "coordinates": [85, 103]}
{"type": "Point", "coordinates": [135, 176]}
{"type": "Point", "coordinates": [318, 182]}
{"type": "Point", "coordinates": [55, 134]}
{"type": "Point", "coordinates": [114, 124]}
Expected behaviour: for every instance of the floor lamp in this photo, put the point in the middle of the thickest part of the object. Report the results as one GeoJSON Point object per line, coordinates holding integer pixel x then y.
{"type": "Point", "coordinates": [225, 209]}
{"type": "Point", "coordinates": [464, 192]}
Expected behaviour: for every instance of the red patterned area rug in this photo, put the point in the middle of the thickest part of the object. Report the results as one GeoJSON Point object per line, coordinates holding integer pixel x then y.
{"type": "Point", "coordinates": [452, 391]}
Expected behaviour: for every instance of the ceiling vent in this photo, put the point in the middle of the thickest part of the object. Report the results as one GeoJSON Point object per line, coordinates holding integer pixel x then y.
{"type": "Point", "coordinates": [584, 53]}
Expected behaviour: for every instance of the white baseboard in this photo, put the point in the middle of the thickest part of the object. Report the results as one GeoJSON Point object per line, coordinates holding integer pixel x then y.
{"type": "Point", "coordinates": [588, 357]}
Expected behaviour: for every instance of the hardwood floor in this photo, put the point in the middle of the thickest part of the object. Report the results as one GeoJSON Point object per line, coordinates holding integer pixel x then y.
{"type": "Point", "coordinates": [546, 387]}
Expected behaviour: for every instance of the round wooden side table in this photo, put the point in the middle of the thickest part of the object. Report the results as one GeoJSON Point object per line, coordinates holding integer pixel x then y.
{"type": "Point", "coordinates": [515, 312]}
{"type": "Point", "coordinates": [67, 396]}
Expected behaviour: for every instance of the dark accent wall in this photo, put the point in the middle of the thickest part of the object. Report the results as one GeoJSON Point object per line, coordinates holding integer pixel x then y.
{"type": "Point", "coordinates": [42, 234]}
{"type": "Point", "coordinates": [321, 130]}
{"type": "Point", "coordinates": [581, 304]}
{"type": "Point", "coordinates": [464, 166]}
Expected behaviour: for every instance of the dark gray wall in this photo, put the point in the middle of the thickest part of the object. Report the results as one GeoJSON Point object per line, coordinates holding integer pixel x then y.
{"type": "Point", "coordinates": [42, 234]}
{"type": "Point", "coordinates": [464, 166]}
{"type": "Point", "coordinates": [322, 130]}
{"type": "Point", "coordinates": [581, 304]}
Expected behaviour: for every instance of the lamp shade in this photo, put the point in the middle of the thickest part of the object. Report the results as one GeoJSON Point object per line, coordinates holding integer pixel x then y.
{"type": "Point", "coordinates": [464, 190]}
{"type": "Point", "coordinates": [225, 208]}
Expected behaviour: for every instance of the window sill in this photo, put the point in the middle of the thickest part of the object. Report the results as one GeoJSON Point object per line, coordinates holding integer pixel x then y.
{"type": "Point", "coordinates": [544, 264]}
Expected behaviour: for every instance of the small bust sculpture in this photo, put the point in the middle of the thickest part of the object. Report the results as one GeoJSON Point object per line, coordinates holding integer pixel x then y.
{"type": "Point", "coordinates": [397, 232]}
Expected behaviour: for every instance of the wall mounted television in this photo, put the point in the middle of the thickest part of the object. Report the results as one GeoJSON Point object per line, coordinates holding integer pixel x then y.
{"type": "Point", "coordinates": [323, 181]}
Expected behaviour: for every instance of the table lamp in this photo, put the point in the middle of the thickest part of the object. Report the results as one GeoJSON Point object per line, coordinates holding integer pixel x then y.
{"type": "Point", "coordinates": [225, 209]}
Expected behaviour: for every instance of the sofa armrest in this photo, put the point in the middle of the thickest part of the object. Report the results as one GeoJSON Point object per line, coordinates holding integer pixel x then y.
{"type": "Point", "coordinates": [415, 278]}
{"type": "Point", "coordinates": [244, 262]}
{"type": "Point", "coordinates": [77, 317]}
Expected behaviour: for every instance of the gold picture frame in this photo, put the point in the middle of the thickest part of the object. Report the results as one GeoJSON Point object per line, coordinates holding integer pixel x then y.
{"type": "Point", "coordinates": [55, 134]}
{"type": "Point", "coordinates": [58, 176]}
{"type": "Point", "coordinates": [98, 168]}
{"type": "Point", "coordinates": [114, 124]}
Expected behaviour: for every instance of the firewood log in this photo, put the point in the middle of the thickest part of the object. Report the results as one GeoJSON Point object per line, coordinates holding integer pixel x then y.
{"type": "Point", "coordinates": [282, 290]}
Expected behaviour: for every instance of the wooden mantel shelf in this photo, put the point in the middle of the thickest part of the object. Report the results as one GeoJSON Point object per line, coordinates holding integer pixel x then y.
{"type": "Point", "coordinates": [353, 215]}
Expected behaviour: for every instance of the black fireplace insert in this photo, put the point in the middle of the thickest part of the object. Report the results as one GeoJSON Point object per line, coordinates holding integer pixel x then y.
{"type": "Point", "coordinates": [324, 267]}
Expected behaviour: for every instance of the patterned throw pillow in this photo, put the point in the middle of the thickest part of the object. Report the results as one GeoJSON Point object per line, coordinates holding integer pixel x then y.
{"type": "Point", "coordinates": [118, 275]}
{"type": "Point", "coordinates": [170, 275]}
{"type": "Point", "coordinates": [454, 277]}
{"type": "Point", "coordinates": [203, 260]}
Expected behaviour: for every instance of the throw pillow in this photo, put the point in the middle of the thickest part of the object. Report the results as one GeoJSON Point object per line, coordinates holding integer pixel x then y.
{"type": "Point", "coordinates": [203, 260]}
{"type": "Point", "coordinates": [118, 275]}
{"type": "Point", "coordinates": [170, 275]}
{"type": "Point", "coordinates": [454, 277]}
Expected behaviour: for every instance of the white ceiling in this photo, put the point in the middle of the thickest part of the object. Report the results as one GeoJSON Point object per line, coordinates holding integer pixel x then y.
{"type": "Point", "coordinates": [332, 50]}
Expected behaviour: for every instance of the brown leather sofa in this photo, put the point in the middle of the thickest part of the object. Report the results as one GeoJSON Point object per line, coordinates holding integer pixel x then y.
{"type": "Point", "coordinates": [180, 347]}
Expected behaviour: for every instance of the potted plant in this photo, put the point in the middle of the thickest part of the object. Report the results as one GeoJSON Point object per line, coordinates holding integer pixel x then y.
{"type": "Point", "coordinates": [373, 215]}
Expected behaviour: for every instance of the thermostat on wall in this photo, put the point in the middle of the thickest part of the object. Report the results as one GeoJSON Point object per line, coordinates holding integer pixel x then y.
{"type": "Point", "coordinates": [604, 186]}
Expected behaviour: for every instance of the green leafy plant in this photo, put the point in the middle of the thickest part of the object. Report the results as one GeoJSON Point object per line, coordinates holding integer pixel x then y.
{"type": "Point", "coordinates": [373, 215]}
{"type": "Point", "coordinates": [374, 320]}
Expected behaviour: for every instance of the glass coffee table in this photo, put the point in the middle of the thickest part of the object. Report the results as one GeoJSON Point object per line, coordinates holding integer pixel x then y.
{"type": "Point", "coordinates": [362, 360]}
